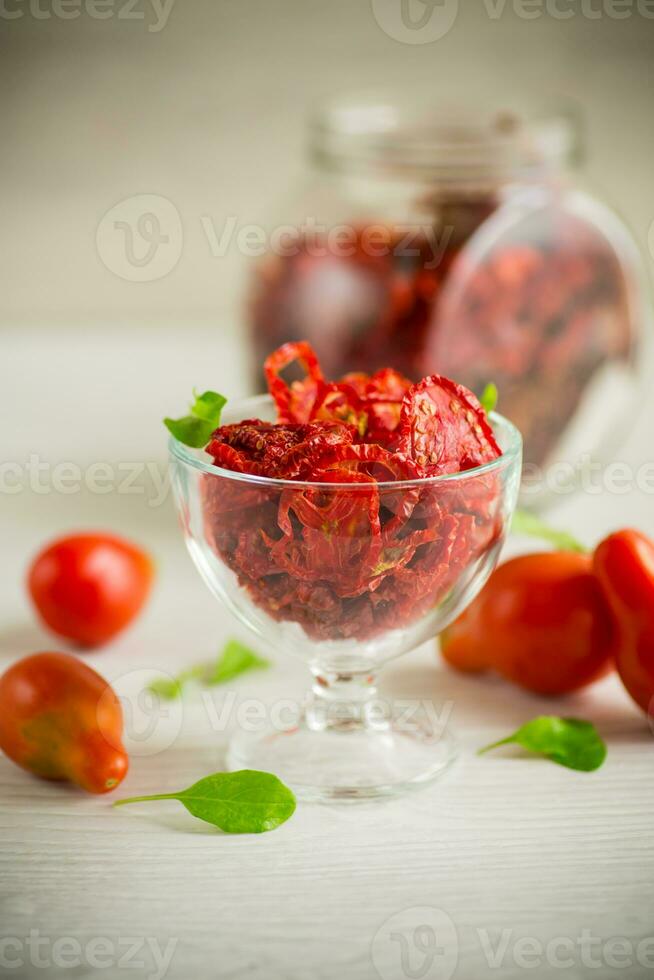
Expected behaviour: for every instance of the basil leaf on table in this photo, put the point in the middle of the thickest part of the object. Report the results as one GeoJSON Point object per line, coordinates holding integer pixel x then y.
{"type": "Point", "coordinates": [570, 742]}
{"type": "Point", "coordinates": [531, 526]}
{"type": "Point", "coordinates": [195, 430]}
{"type": "Point", "coordinates": [489, 396]}
{"type": "Point", "coordinates": [170, 688]}
{"type": "Point", "coordinates": [235, 659]}
{"type": "Point", "coordinates": [244, 802]}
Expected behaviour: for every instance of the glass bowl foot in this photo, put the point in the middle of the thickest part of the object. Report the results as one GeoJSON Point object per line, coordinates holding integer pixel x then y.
{"type": "Point", "coordinates": [348, 761]}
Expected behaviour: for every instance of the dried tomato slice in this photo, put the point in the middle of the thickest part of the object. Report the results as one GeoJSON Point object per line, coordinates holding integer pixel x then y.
{"type": "Point", "coordinates": [388, 385]}
{"type": "Point", "coordinates": [229, 458]}
{"type": "Point", "coordinates": [384, 385]}
{"type": "Point", "coordinates": [383, 420]}
{"type": "Point", "coordinates": [422, 582]}
{"type": "Point", "coordinates": [230, 506]}
{"type": "Point", "coordinates": [339, 402]}
{"type": "Point", "coordinates": [368, 459]}
{"type": "Point", "coordinates": [378, 464]}
{"type": "Point", "coordinates": [298, 461]}
{"type": "Point", "coordinates": [339, 536]}
{"type": "Point", "coordinates": [396, 552]}
{"type": "Point", "coordinates": [357, 380]}
{"type": "Point", "coordinates": [249, 435]}
{"type": "Point", "coordinates": [295, 401]}
{"type": "Point", "coordinates": [283, 451]}
{"type": "Point", "coordinates": [223, 494]}
{"type": "Point", "coordinates": [444, 429]}
{"type": "Point", "coordinates": [380, 397]}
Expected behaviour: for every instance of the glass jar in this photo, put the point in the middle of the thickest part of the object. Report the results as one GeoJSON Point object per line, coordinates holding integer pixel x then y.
{"type": "Point", "coordinates": [457, 243]}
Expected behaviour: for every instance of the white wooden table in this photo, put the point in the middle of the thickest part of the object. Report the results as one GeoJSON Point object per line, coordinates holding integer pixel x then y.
{"type": "Point", "coordinates": [509, 867]}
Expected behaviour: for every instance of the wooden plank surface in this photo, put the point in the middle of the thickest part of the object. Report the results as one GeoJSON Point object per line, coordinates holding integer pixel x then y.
{"type": "Point", "coordinates": [503, 849]}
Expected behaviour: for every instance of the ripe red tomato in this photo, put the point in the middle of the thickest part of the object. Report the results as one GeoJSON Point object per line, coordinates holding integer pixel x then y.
{"type": "Point", "coordinates": [60, 720]}
{"type": "Point", "coordinates": [88, 587]}
{"type": "Point", "coordinates": [624, 565]}
{"type": "Point", "coordinates": [540, 621]}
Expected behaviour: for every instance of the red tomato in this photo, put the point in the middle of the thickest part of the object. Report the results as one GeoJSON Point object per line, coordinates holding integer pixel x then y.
{"type": "Point", "coordinates": [88, 587]}
{"type": "Point", "coordinates": [624, 565]}
{"type": "Point", "coordinates": [540, 621]}
{"type": "Point", "coordinates": [60, 720]}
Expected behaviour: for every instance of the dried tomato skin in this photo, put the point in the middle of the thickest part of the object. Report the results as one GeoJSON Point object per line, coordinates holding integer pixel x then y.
{"type": "Point", "coordinates": [379, 402]}
{"type": "Point", "coordinates": [340, 403]}
{"type": "Point", "coordinates": [370, 459]}
{"type": "Point", "coordinates": [444, 428]}
{"type": "Point", "coordinates": [383, 419]}
{"type": "Point", "coordinates": [295, 401]}
{"type": "Point", "coordinates": [385, 385]}
{"type": "Point", "coordinates": [281, 451]}
{"type": "Point", "coordinates": [229, 458]}
{"type": "Point", "coordinates": [340, 537]}
{"type": "Point", "coordinates": [372, 403]}
{"type": "Point", "coordinates": [298, 462]}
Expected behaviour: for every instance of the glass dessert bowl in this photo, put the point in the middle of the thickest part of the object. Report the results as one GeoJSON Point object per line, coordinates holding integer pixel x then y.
{"type": "Point", "coordinates": [347, 572]}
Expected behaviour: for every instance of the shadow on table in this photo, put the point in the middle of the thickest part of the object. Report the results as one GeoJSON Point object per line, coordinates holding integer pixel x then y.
{"type": "Point", "coordinates": [487, 701]}
{"type": "Point", "coordinates": [21, 639]}
{"type": "Point", "coordinates": [175, 768]}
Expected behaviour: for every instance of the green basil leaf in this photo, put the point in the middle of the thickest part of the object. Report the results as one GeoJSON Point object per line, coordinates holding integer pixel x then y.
{"type": "Point", "coordinates": [165, 688]}
{"type": "Point", "coordinates": [489, 397]}
{"type": "Point", "coordinates": [234, 659]}
{"type": "Point", "coordinates": [191, 431]}
{"type": "Point", "coordinates": [531, 526]}
{"type": "Point", "coordinates": [244, 802]}
{"type": "Point", "coordinates": [195, 429]}
{"type": "Point", "coordinates": [208, 406]}
{"type": "Point", "coordinates": [169, 688]}
{"type": "Point", "coordinates": [570, 742]}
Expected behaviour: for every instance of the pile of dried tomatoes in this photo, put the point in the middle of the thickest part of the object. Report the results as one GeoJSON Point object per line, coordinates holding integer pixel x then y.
{"type": "Point", "coordinates": [356, 547]}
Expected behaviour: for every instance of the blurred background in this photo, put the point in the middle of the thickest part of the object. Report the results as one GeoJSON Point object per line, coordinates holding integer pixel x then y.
{"type": "Point", "coordinates": [203, 104]}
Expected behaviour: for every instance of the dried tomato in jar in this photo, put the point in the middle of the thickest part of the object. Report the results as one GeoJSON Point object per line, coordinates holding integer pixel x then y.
{"type": "Point", "coordinates": [459, 245]}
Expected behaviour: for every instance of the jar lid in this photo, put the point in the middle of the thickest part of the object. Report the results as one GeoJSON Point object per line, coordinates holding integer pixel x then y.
{"type": "Point", "coordinates": [440, 141]}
